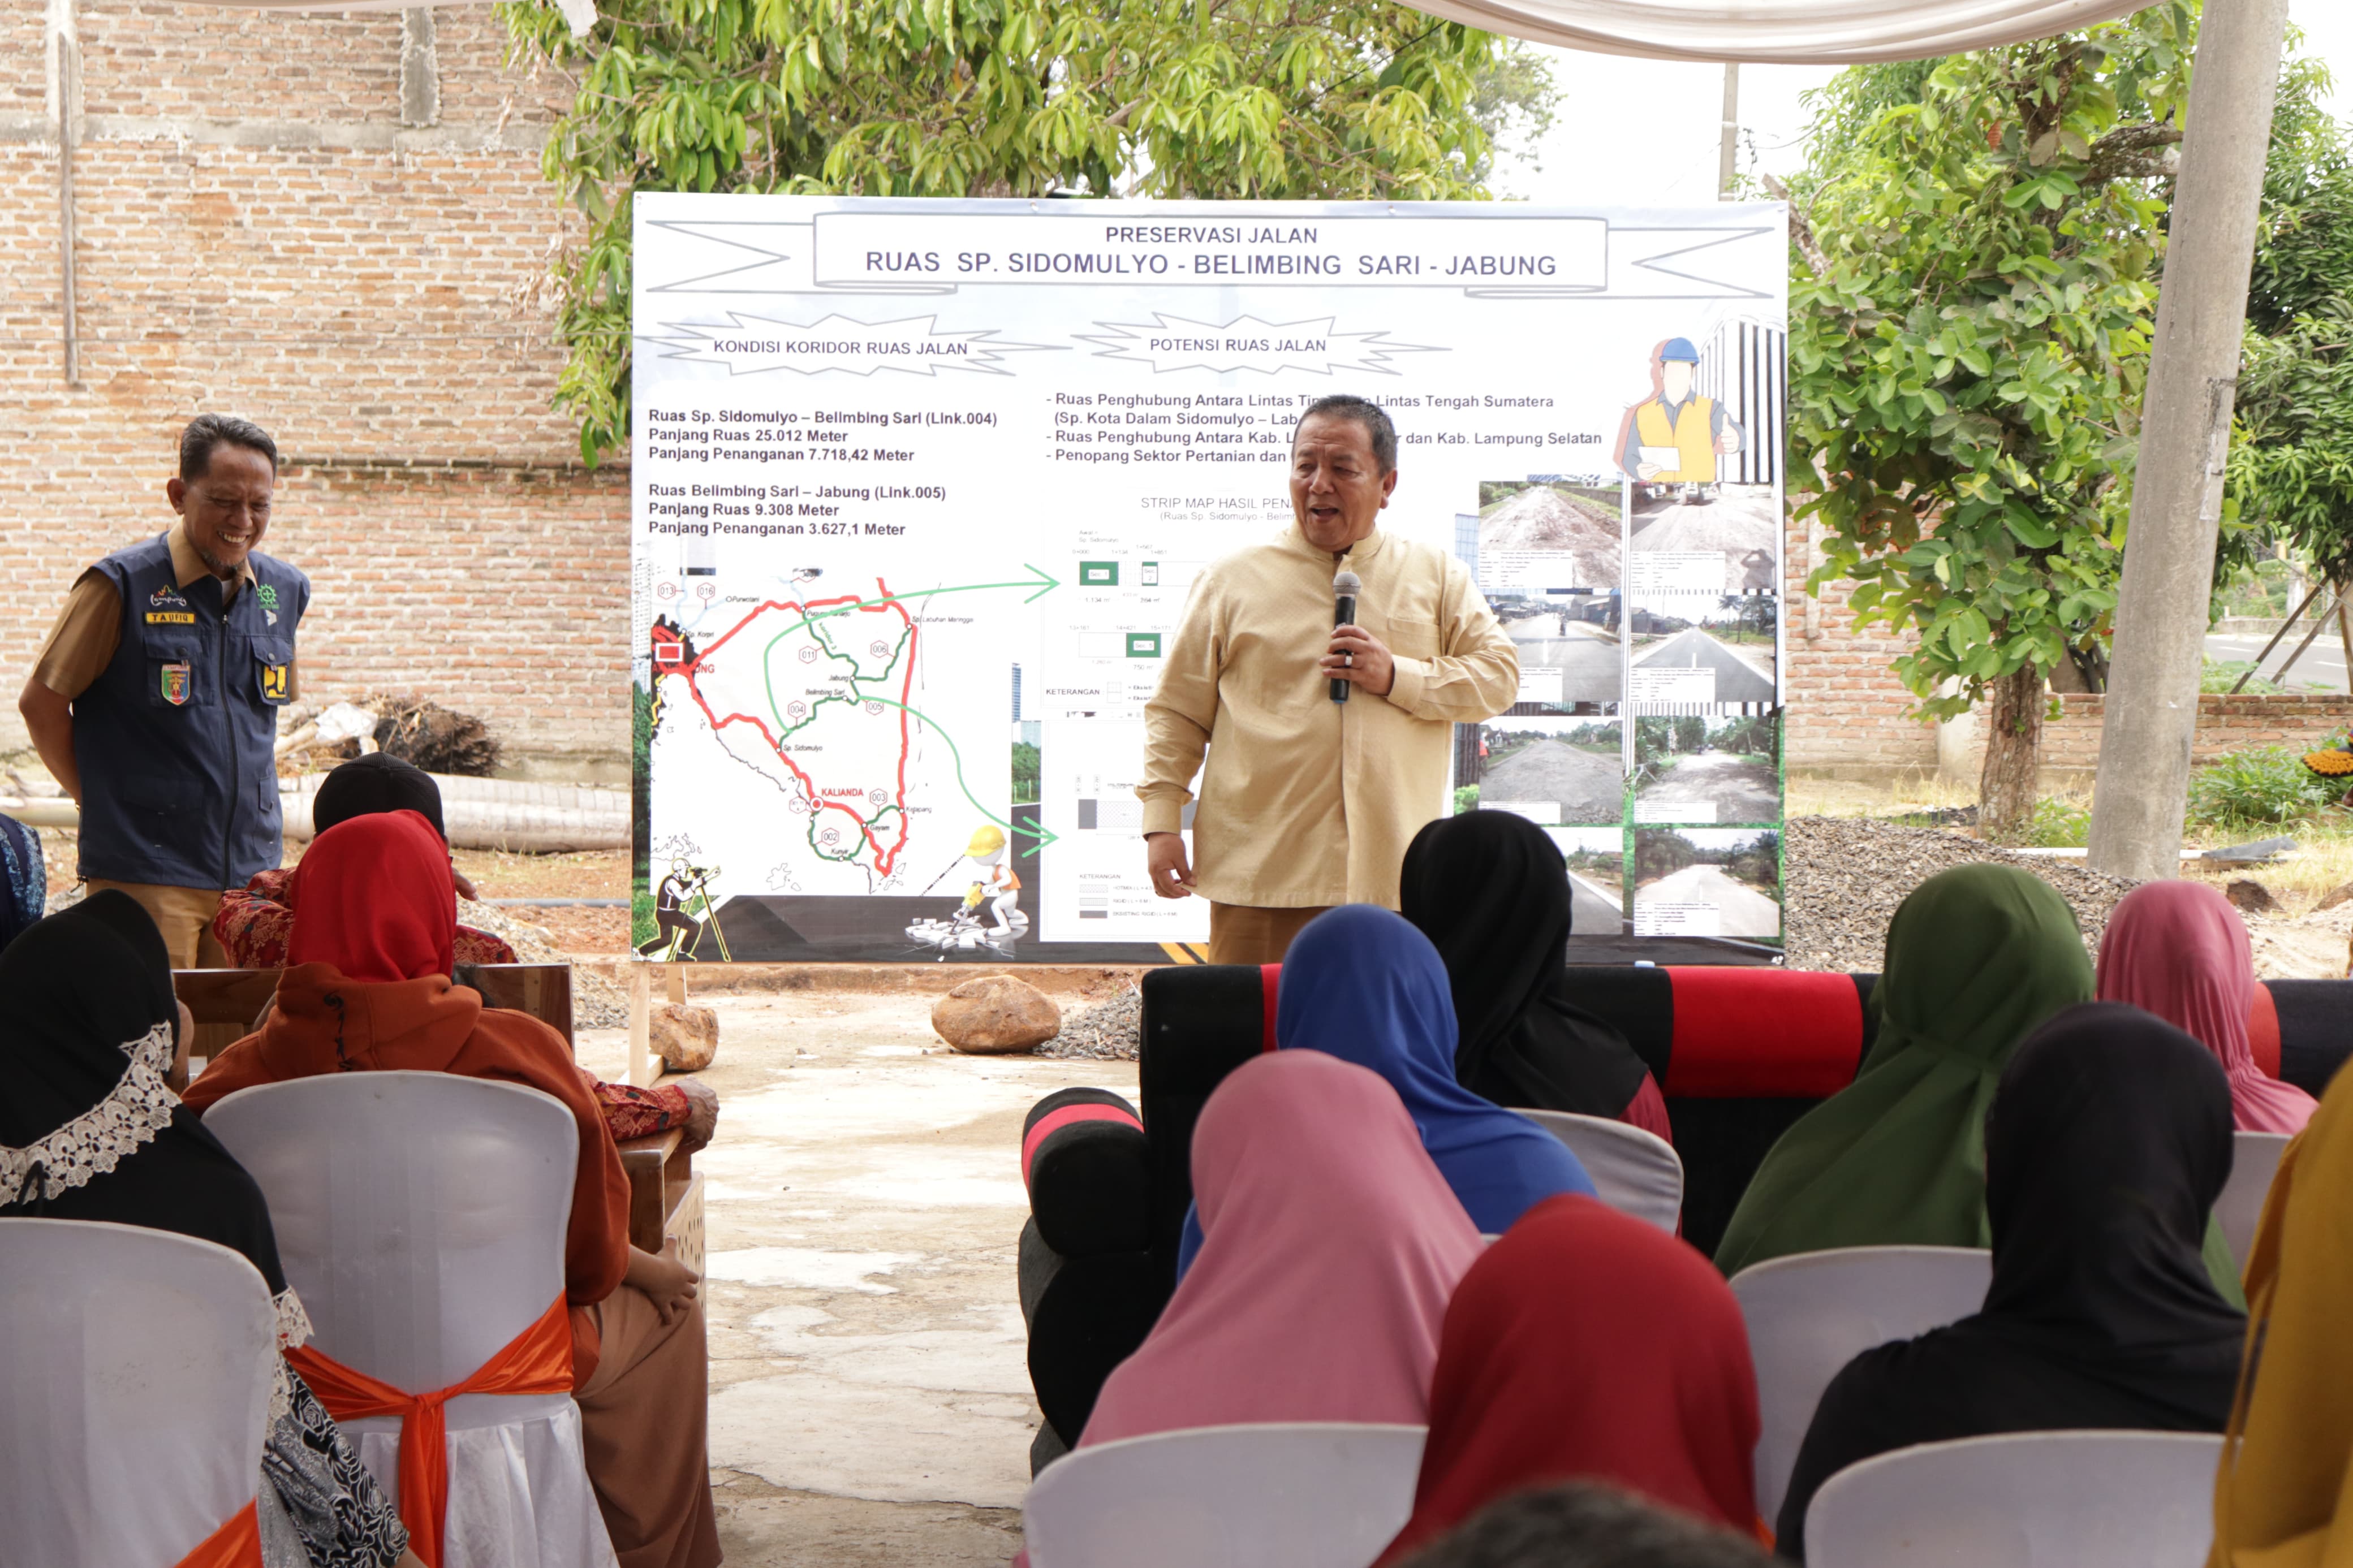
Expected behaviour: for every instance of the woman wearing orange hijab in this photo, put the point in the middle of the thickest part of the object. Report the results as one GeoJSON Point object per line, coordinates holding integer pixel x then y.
{"type": "Point", "coordinates": [369, 990]}
{"type": "Point", "coordinates": [1587, 1345]}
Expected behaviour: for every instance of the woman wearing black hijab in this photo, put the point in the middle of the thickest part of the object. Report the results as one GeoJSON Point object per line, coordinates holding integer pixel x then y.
{"type": "Point", "coordinates": [1490, 889]}
{"type": "Point", "coordinates": [2106, 1144]}
{"type": "Point", "coordinates": [89, 1132]}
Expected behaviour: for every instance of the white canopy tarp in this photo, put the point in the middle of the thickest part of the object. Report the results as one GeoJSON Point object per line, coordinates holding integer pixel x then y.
{"type": "Point", "coordinates": [1766, 32]}
{"type": "Point", "coordinates": [1777, 32]}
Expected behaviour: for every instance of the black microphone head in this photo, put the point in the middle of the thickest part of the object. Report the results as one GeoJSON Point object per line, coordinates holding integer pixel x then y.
{"type": "Point", "coordinates": [1346, 585]}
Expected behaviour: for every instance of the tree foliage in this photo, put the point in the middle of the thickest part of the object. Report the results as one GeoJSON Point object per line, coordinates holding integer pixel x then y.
{"type": "Point", "coordinates": [1970, 317]}
{"type": "Point", "coordinates": [1268, 99]}
{"type": "Point", "coordinates": [2291, 467]}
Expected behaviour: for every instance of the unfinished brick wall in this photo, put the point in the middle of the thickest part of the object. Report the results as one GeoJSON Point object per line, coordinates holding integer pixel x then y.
{"type": "Point", "coordinates": [1846, 709]}
{"type": "Point", "coordinates": [2225, 724]}
{"type": "Point", "coordinates": [333, 225]}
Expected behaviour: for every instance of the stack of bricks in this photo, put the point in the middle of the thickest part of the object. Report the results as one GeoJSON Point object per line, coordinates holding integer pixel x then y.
{"type": "Point", "coordinates": [333, 224]}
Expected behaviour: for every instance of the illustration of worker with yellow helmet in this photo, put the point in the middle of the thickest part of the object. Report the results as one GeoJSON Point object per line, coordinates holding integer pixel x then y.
{"type": "Point", "coordinates": [1674, 435]}
{"type": "Point", "coordinates": [995, 881]}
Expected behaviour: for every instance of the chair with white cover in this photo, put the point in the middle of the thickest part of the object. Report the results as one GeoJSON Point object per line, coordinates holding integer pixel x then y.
{"type": "Point", "coordinates": [2023, 1500]}
{"type": "Point", "coordinates": [1290, 1494]}
{"type": "Point", "coordinates": [2254, 1159]}
{"type": "Point", "coordinates": [135, 1373]}
{"type": "Point", "coordinates": [1636, 1172]}
{"type": "Point", "coordinates": [1811, 1313]}
{"type": "Point", "coordinates": [422, 1217]}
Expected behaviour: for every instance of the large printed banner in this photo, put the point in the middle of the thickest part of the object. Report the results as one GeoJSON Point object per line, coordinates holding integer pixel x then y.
{"type": "Point", "coordinates": [920, 487]}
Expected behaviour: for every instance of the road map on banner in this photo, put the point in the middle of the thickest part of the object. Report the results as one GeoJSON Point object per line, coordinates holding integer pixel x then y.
{"type": "Point", "coordinates": [920, 488]}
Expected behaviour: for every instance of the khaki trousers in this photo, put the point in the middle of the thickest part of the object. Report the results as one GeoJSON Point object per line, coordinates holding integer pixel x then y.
{"type": "Point", "coordinates": [1244, 933]}
{"type": "Point", "coordinates": [184, 916]}
{"type": "Point", "coordinates": [643, 1422]}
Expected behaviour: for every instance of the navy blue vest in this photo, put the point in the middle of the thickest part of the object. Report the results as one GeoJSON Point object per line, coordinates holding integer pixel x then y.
{"type": "Point", "coordinates": [175, 738]}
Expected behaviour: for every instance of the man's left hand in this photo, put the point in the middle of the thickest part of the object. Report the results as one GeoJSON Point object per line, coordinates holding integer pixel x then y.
{"type": "Point", "coordinates": [1357, 657]}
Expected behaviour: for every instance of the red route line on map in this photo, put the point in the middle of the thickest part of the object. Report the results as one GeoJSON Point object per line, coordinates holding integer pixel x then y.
{"type": "Point", "coordinates": [883, 858]}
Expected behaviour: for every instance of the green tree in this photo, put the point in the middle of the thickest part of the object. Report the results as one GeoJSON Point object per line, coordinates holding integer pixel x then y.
{"type": "Point", "coordinates": [2291, 465]}
{"type": "Point", "coordinates": [1270, 99]}
{"type": "Point", "coordinates": [1977, 243]}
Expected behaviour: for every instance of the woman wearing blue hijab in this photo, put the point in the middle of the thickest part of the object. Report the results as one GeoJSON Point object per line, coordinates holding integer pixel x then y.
{"type": "Point", "coordinates": [1362, 984]}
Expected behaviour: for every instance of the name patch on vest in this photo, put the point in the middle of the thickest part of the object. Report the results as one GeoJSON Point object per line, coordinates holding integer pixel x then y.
{"type": "Point", "coordinates": [175, 684]}
{"type": "Point", "coordinates": [171, 618]}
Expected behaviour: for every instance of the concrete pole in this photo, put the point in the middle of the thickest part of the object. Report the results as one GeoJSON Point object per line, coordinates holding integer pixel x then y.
{"type": "Point", "coordinates": [2151, 713]}
{"type": "Point", "coordinates": [1728, 148]}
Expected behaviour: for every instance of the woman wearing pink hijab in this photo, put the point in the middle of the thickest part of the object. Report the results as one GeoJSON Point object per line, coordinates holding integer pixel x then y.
{"type": "Point", "coordinates": [1330, 1245]}
{"type": "Point", "coordinates": [2178, 950]}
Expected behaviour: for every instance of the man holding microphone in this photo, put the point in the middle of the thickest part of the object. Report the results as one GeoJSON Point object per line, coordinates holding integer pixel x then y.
{"type": "Point", "coordinates": [1327, 744]}
{"type": "Point", "coordinates": [154, 700]}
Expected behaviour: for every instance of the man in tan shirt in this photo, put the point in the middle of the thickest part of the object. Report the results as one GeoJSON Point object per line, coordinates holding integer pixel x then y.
{"type": "Point", "coordinates": [154, 700]}
{"type": "Point", "coordinates": [1305, 802]}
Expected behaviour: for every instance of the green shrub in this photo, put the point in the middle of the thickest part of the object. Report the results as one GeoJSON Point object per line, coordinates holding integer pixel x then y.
{"type": "Point", "coordinates": [2057, 824]}
{"type": "Point", "coordinates": [1466, 799]}
{"type": "Point", "coordinates": [2267, 785]}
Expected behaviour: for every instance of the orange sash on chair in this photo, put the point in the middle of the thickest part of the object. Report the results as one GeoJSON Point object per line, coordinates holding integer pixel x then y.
{"type": "Point", "coordinates": [237, 1544]}
{"type": "Point", "coordinates": [536, 1360]}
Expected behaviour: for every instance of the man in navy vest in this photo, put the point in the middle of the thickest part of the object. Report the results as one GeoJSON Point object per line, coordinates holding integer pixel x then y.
{"type": "Point", "coordinates": [154, 701]}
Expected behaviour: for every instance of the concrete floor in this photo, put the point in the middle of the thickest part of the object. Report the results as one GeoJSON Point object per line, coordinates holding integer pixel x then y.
{"type": "Point", "coordinates": [870, 1402]}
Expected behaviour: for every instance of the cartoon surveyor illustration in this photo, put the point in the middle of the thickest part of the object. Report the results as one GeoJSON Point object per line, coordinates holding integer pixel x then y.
{"type": "Point", "coordinates": [997, 883]}
{"type": "Point", "coordinates": [682, 905]}
{"type": "Point", "coordinates": [1674, 435]}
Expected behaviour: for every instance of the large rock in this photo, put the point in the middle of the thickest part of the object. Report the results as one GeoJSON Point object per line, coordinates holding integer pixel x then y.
{"type": "Point", "coordinates": [686, 1037]}
{"type": "Point", "coordinates": [995, 1014]}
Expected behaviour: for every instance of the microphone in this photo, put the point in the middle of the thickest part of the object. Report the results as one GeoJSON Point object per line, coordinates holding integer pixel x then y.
{"type": "Point", "coordinates": [1345, 589]}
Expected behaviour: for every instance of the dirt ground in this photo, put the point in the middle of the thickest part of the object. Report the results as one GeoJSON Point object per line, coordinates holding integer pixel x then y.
{"type": "Point", "coordinates": [870, 1402]}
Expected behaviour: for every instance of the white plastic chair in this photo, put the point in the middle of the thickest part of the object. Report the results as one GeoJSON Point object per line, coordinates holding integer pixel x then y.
{"type": "Point", "coordinates": [1636, 1172]}
{"type": "Point", "coordinates": [2254, 1159]}
{"type": "Point", "coordinates": [2024, 1499]}
{"type": "Point", "coordinates": [1298, 1495]}
{"type": "Point", "coordinates": [1811, 1313]}
{"type": "Point", "coordinates": [422, 1216]}
{"type": "Point", "coordinates": [135, 1370]}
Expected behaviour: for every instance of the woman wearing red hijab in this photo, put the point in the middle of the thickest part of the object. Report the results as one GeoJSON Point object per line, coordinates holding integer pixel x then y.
{"type": "Point", "coordinates": [2180, 949]}
{"type": "Point", "coordinates": [369, 990]}
{"type": "Point", "coordinates": [1587, 1345]}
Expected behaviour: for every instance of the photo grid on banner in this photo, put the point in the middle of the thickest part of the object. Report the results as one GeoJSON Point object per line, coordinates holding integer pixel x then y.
{"type": "Point", "coordinates": [920, 489]}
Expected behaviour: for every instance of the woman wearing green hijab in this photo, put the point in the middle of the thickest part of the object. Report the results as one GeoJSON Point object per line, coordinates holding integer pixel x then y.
{"type": "Point", "coordinates": [1976, 958]}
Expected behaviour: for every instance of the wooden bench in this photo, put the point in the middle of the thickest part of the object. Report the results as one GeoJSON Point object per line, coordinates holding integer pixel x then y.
{"type": "Point", "coordinates": [665, 1195]}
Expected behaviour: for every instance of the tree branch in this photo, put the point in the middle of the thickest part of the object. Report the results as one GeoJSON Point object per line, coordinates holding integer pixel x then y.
{"type": "Point", "coordinates": [1801, 233]}
{"type": "Point", "coordinates": [2137, 153]}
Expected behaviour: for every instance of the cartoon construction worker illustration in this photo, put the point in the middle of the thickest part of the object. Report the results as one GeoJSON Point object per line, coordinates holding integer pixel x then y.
{"type": "Point", "coordinates": [1674, 435]}
{"type": "Point", "coordinates": [997, 882]}
{"type": "Point", "coordinates": [681, 906]}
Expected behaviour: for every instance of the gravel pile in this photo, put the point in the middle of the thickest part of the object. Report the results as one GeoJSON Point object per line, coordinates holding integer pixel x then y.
{"type": "Point", "coordinates": [1844, 875]}
{"type": "Point", "coordinates": [596, 1003]}
{"type": "Point", "coordinates": [1108, 1031]}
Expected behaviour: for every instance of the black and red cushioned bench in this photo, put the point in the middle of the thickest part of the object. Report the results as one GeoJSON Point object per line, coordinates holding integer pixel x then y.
{"type": "Point", "coordinates": [1739, 1053]}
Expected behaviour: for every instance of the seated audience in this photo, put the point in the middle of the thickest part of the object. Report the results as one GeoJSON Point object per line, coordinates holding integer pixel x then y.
{"type": "Point", "coordinates": [1361, 984]}
{"type": "Point", "coordinates": [2106, 1147]}
{"type": "Point", "coordinates": [2284, 1495]}
{"type": "Point", "coordinates": [89, 1131]}
{"type": "Point", "coordinates": [1589, 1345]}
{"type": "Point", "coordinates": [1330, 1242]}
{"type": "Point", "coordinates": [2178, 950]}
{"type": "Point", "coordinates": [369, 990]}
{"type": "Point", "coordinates": [1581, 1525]}
{"type": "Point", "coordinates": [1977, 957]}
{"type": "Point", "coordinates": [254, 923]}
{"type": "Point", "coordinates": [1490, 889]}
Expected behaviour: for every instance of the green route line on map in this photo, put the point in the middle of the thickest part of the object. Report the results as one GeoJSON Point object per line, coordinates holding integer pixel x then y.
{"type": "Point", "coordinates": [847, 856]}
{"type": "Point", "coordinates": [1044, 583]}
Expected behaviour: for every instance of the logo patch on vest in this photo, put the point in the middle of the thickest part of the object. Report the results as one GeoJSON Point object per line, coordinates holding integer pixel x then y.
{"type": "Point", "coordinates": [171, 618]}
{"type": "Point", "coordinates": [273, 683]}
{"type": "Point", "coordinates": [175, 684]}
{"type": "Point", "coordinates": [268, 596]}
{"type": "Point", "coordinates": [167, 595]}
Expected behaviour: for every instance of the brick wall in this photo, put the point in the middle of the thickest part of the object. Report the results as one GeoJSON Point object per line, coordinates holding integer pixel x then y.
{"type": "Point", "coordinates": [261, 231]}
{"type": "Point", "coordinates": [2070, 744]}
{"type": "Point", "coordinates": [1846, 709]}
